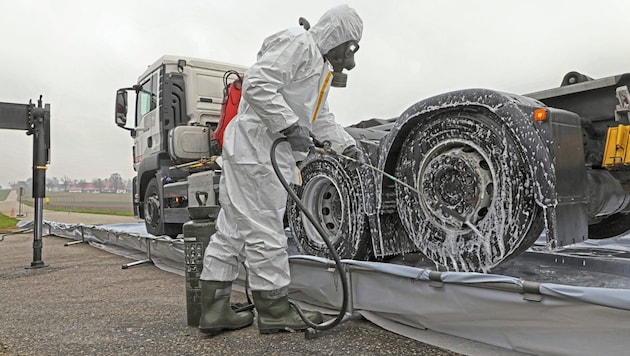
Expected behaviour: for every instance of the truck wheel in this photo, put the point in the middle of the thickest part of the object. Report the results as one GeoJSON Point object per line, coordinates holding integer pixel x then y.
{"type": "Point", "coordinates": [335, 198]}
{"type": "Point", "coordinates": [611, 226]}
{"type": "Point", "coordinates": [152, 212]}
{"type": "Point", "coordinates": [475, 206]}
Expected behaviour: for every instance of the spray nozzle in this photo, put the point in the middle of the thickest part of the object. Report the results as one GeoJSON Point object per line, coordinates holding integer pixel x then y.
{"type": "Point", "coordinates": [323, 147]}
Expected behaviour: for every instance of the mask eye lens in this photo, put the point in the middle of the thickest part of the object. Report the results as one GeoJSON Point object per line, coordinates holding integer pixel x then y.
{"type": "Point", "coordinates": [351, 49]}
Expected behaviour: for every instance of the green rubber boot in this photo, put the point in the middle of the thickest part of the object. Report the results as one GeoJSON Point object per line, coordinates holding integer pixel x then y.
{"type": "Point", "coordinates": [276, 314]}
{"type": "Point", "coordinates": [216, 313]}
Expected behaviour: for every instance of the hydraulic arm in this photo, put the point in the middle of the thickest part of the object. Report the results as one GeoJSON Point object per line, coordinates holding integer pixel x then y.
{"type": "Point", "coordinates": [35, 120]}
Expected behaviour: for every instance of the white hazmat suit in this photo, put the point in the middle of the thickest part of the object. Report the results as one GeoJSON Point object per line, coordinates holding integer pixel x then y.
{"type": "Point", "coordinates": [288, 84]}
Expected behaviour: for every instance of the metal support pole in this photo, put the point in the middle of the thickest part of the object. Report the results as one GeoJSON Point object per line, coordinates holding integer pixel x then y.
{"type": "Point", "coordinates": [148, 260]}
{"type": "Point", "coordinates": [37, 236]}
{"type": "Point", "coordinates": [40, 129]}
{"type": "Point", "coordinates": [77, 242]}
{"type": "Point", "coordinates": [20, 213]}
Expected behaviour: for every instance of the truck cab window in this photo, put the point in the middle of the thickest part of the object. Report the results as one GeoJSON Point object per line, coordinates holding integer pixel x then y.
{"type": "Point", "coordinates": [147, 97]}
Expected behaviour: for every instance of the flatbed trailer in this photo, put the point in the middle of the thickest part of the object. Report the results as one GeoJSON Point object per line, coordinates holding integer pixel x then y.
{"type": "Point", "coordinates": [482, 174]}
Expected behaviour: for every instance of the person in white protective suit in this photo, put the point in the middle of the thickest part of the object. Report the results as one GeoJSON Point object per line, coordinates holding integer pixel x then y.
{"type": "Point", "coordinates": [284, 95]}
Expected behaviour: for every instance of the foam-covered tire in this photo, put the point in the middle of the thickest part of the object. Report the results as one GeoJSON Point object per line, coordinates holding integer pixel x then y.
{"type": "Point", "coordinates": [475, 206]}
{"type": "Point", "coordinates": [334, 195]}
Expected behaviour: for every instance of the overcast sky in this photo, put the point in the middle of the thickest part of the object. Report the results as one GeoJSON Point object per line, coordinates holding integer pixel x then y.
{"type": "Point", "coordinates": [77, 53]}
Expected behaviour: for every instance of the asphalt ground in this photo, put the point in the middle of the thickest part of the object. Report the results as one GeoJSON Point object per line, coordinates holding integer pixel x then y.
{"type": "Point", "coordinates": [83, 302]}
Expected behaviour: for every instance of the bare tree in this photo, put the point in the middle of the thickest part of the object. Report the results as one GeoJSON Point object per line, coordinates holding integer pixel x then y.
{"type": "Point", "coordinates": [82, 184]}
{"type": "Point", "coordinates": [116, 181]}
{"type": "Point", "coordinates": [66, 181]}
{"type": "Point", "coordinates": [98, 184]}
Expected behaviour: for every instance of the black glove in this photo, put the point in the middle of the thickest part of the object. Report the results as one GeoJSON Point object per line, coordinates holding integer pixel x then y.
{"type": "Point", "coordinates": [355, 153]}
{"type": "Point", "coordinates": [299, 137]}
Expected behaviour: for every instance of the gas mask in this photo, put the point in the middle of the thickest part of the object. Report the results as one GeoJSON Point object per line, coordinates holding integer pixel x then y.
{"type": "Point", "coordinates": [342, 57]}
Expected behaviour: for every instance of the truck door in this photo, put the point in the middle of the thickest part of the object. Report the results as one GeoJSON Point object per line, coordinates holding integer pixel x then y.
{"type": "Point", "coordinates": [147, 140]}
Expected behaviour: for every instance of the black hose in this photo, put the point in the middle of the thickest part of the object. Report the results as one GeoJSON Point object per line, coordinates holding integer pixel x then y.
{"type": "Point", "coordinates": [342, 273]}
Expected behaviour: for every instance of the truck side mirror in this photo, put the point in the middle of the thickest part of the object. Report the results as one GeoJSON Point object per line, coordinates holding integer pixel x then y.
{"type": "Point", "coordinates": [121, 107]}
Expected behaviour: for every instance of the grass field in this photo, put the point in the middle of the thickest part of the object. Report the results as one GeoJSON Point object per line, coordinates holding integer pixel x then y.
{"type": "Point", "coordinates": [7, 222]}
{"type": "Point", "coordinates": [93, 203]}
{"type": "Point", "coordinates": [4, 193]}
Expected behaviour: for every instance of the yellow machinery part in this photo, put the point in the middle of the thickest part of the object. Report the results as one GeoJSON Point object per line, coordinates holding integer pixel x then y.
{"type": "Point", "coordinates": [616, 152]}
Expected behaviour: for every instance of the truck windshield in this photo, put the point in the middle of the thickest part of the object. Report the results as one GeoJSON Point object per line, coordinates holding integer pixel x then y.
{"type": "Point", "coordinates": [147, 97]}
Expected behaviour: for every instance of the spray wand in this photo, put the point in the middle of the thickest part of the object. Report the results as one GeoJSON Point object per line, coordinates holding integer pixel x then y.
{"type": "Point", "coordinates": [326, 149]}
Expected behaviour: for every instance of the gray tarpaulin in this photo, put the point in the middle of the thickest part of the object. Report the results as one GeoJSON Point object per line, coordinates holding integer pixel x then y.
{"type": "Point", "coordinates": [529, 307]}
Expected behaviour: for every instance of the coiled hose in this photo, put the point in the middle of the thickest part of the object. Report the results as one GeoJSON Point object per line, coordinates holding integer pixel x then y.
{"type": "Point", "coordinates": [327, 325]}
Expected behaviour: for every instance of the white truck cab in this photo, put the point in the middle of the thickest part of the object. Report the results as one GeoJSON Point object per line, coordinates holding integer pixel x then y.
{"type": "Point", "coordinates": [178, 104]}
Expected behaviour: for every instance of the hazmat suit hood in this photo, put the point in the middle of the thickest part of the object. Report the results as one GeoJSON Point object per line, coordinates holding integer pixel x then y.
{"type": "Point", "coordinates": [336, 26]}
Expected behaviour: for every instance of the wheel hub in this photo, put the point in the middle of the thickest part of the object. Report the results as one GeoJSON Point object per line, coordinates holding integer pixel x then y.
{"type": "Point", "coordinates": [152, 209]}
{"type": "Point", "coordinates": [456, 183]}
{"type": "Point", "coordinates": [321, 197]}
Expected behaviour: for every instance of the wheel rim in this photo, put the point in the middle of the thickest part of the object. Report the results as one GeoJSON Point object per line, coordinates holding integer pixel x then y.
{"type": "Point", "coordinates": [322, 198]}
{"type": "Point", "coordinates": [456, 181]}
{"type": "Point", "coordinates": [152, 210]}
{"type": "Point", "coordinates": [337, 198]}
